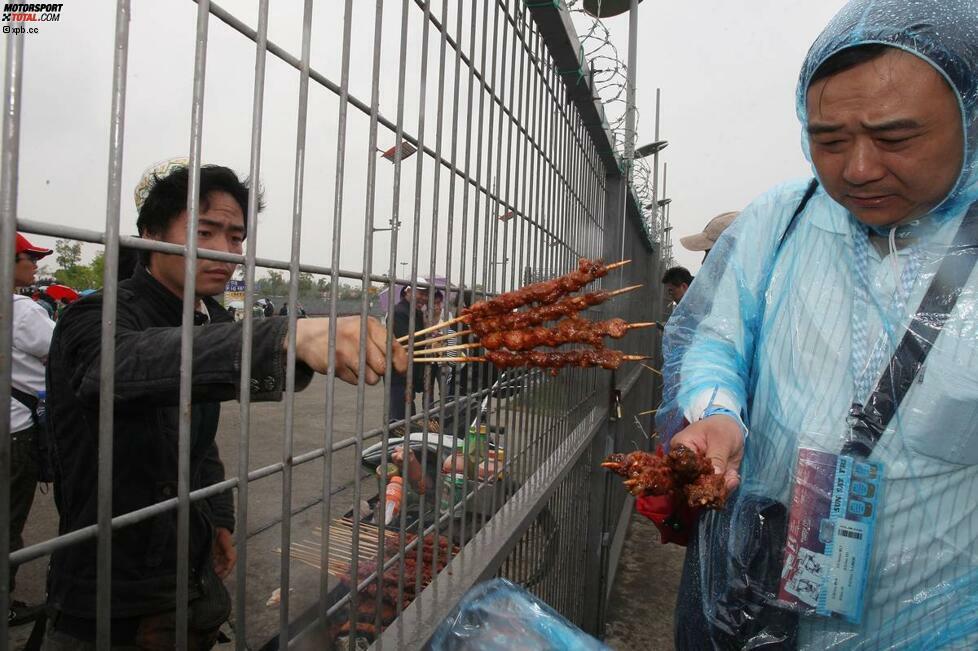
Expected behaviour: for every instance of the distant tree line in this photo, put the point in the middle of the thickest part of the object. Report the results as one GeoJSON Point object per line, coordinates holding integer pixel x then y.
{"type": "Point", "coordinates": [71, 272]}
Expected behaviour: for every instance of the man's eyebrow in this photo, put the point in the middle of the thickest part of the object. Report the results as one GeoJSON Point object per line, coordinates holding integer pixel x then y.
{"type": "Point", "coordinates": [893, 125]}
{"type": "Point", "coordinates": [204, 221]}
{"type": "Point", "coordinates": [818, 128]}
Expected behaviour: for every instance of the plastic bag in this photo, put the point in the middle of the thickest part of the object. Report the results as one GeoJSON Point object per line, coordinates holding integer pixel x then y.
{"type": "Point", "coordinates": [498, 616]}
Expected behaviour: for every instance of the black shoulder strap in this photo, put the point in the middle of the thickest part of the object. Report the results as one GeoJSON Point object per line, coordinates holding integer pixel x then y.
{"type": "Point", "coordinates": [24, 398]}
{"type": "Point", "coordinates": [809, 192]}
{"type": "Point", "coordinates": [799, 209]}
{"type": "Point", "coordinates": [870, 421]}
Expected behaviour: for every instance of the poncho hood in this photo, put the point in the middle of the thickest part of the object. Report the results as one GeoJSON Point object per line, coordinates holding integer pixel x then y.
{"type": "Point", "coordinates": [944, 33]}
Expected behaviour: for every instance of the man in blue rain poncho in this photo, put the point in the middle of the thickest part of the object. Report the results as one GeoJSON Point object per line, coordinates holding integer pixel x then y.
{"type": "Point", "coordinates": [796, 321]}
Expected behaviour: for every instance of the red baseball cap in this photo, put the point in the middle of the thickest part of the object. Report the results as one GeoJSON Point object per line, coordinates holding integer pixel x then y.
{"type": "Point", "coordinates": [24, 246]}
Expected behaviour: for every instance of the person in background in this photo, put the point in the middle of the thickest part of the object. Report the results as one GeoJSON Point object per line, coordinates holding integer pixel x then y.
{"type": "Point", "coordinates": [438, 371]}
{"type": "Point", "coordinates": [147, 379]}
{"type": "Point", "coordinates": [677, 281]}
{"type": "Point", "coordinates": [32, 329]}
{"type": "Point", "coordinates": [299, 310]}
{"type": "Point", "coordinates": [50, 305]}
{"type": "Point", "coordinates": [399, 399]}
{"type": "Point", "coordinates": [711, 233]}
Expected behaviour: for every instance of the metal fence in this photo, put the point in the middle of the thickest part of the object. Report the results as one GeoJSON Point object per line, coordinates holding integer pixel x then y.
{"type": "Point", "coordinates": [515, 178]}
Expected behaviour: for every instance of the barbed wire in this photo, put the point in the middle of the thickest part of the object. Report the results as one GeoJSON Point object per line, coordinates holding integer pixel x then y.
{"type": "Point", "coordinates": [609, 71]}
{"type": "Point", "coordinates": [610, 79]}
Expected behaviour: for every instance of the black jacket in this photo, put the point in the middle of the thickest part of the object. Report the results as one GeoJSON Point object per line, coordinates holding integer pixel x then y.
{"type": "Point", "coordinates": [146, 423]}
{"type": "Point", "coordinates": [402, 326]}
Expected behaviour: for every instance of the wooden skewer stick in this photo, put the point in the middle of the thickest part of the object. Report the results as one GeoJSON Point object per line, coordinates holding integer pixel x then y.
{"type": "Point", "coordinates": [615, 265]}
{"type": "Point", "coordinates": [449, 360]}
{"type": "Point", "coordinates": [445, 349]}
{"type": "Point", "coordinates": [654, 370]}
{"type": "Point", "coordinates": [347, 545]}
{"type": "Point", "coordinates": [428, 342]}
{"type": "Point", "coordinates": [646, 413]}
{"type": "Point", "coordinates": [346, 549]}
{"type": "Point", "coordinates": [646, 324]}
{"type": "Point", "coordinates": [364, 533]}
{"type": "Point", "coordinates": [348, 536]}
{"type": "Point", "coordinates": [437, 326]}
{"type": "Point", "coordinates": [623, 290]}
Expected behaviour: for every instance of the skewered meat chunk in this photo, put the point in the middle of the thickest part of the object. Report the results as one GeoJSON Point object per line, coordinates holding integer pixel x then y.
{"type": "Point", "coordinates": [682, 470]}
{"type": "Point", "coordinates": [567, 306]}
{"type": "Point", "coordinates": [688, 465]}
{"type": "Point", "coordinates": [608, 359]}
{"type": "Point", "coordinates": [572, 330]}
{"type": "Point", "coordinates": [545, 292]}
{"type": "Point", "coordinates": [708, 491]}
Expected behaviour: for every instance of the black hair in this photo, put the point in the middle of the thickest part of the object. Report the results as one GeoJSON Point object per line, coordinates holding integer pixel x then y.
{"type": "Point", "coordinates": [848, 58]}
{"type": "Point", "coordinates": [128, 259]}
{"type": "Point", "coordinates": [168, 196]}
{"type": "Point", "coordinates": [677, 276]}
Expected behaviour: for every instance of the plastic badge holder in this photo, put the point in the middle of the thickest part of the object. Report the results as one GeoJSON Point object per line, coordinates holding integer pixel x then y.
{"type": "Point", "coordinates": [834, 505]}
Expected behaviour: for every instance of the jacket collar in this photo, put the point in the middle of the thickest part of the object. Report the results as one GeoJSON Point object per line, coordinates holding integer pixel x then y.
{"type": "Point", "coordinates": [832, 217]}
{"type": "Point", "coordinates": [169, 305]}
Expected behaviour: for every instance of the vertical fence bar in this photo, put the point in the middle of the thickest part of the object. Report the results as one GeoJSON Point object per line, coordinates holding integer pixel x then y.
{"type": "Point", "coordinates": [472, 367]}
{"type": "Point", "coordinates": [454, 392]}
{"type": "Point", "coordinates": [398, 169]}
{"type": "Point", "coordinates": [110, 295]}
{"type": "Point", "coordinates": [432, 369]}
{"type": "Point", "coordinates": [247, 326]}
{"type": "Point", "coordinates": [368, 252]}
{"type": "Point", "coordinates": [415, 244]}
{"type": "Point", "coordinates": [186, 329]}
{"type": "Point", "coordinates": [344, 99]}
{"type": "Point", "coordinates": [392, 286]}
{"type": "Point", "coordinates": [10, 156]}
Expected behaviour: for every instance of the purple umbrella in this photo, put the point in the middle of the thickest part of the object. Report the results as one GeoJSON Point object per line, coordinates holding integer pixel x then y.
{"type": "Point", "coordinates": [440, 282]}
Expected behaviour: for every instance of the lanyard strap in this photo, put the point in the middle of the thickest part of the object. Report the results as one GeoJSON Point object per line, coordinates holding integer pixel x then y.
{"type": "Point", "coordinates": [867, 360]}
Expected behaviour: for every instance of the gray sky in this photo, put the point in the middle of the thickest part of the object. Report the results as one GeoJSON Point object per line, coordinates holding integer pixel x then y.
{"type": "Point", "coordinates": [727, 70]}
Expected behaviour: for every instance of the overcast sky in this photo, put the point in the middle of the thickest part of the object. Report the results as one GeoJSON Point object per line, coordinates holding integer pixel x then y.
{"type": "Point", "coordinates": [727, 69]}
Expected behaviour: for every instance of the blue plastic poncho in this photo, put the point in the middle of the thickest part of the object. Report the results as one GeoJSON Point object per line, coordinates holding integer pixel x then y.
{"type": "Point", "coordinates": [769, 332]}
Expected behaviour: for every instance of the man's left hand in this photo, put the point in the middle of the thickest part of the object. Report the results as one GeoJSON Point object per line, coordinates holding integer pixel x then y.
{"type": "Point", "coordinates": [225, 555]}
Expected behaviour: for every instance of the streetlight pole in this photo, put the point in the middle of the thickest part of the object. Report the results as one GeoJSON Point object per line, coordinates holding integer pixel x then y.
{"type": "Point", "coordinates": [630, 89]}
{"type": "Point", "coordinates": [665, 176]}
{"type": "Point", "coordinates": [655, 158]}
{"type": "Point", "coordinates": [629, 117]}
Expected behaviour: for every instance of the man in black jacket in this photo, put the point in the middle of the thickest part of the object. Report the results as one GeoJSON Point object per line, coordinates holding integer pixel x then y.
{"type": "Point", "coordinates": [399, 398]}
{"type": "Point", "coordinates": [146, 420]}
